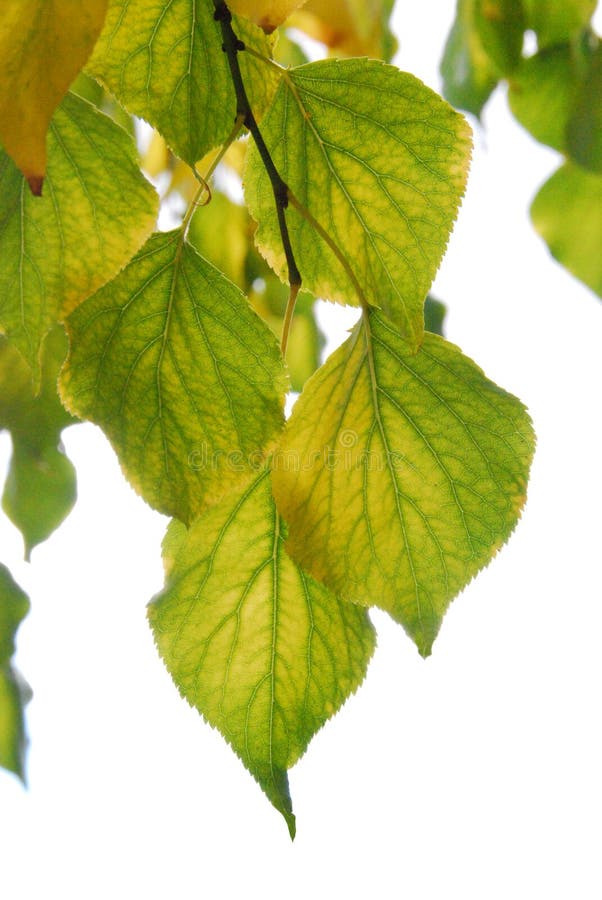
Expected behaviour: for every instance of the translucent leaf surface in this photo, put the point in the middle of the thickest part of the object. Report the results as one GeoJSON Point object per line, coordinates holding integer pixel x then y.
{"type": "Point", "coordinates": [567, 213]}
{"type": "Point", "coordinates": [584, 129]}
{"type": "Point", "coordinates": [96, 211]}
{"type": "Point", "coordinates": [43, 45]}
{"type": "Point", "coordinates": [265, 653]}
{"type": "Point", "coordinates": [184, 378]}
{"type": "Point", "coordinates": [400, 475]}
{"type": "Point", "coordinates": [500, 25]}
{"type": "Point", "coordinates": [164, 61]}
{"type": "Point", "coordinates": [268, 14]}
{"type": "Point", "coordinates": [542, 93]}
{"type": "Point", "coordinates": [557, 21]}
{"type": "Point", "coordinates": [14, 606]}
{"type": "Point", "coordinates": [468, 73]}
{"type": "Point", "coordinates": [41, 487]}
{"type": "Point", "coordinates": [380, 162]}
{"type": "Point", "coordinates": [349, 27]}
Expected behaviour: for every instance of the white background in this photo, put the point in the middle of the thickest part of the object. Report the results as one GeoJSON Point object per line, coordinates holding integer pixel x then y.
{"type": "Point", "coordinates": [474, 774]}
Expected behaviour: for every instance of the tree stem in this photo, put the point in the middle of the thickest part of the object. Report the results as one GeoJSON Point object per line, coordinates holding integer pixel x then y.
{"type": "Point", "coordinates": [231, 47]}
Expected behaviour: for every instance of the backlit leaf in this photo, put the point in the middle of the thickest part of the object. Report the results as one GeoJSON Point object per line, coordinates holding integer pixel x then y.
{"type": "Point", "coordinates": [567, 213]}
{"type": "Point", "coordinates": [165, 63]}
{"type": "Point", "coordinates": [500, 25]}
{"type": "Point", "coordinates": [400, 475]}
{"type": "Point", "coordinates": [40, 488]}
{"type": "Point", "coordinates": [14, 606]}
{"type": "Point", "coordinates": [268, 14]}
{"type": "Point", "coordinates": [380, 162]}
{"type": "Point", "coordinates": [264, 653]}
{"type": "Point", "coordinates": [184, 378]}
{"type": "Point", "coordinates": [43, 45]}
{"type": "Point", "coordinates": [584, 129]}
{"type": "Point", "coordinates": [558, 21]}
{"type": "Point", "coordinates": [349, 27]}
{"type": "Point", "coordinates": [96, 211]}
{"type": "Point", "coordinates": [469, 75]}
{"type": "Point", "coordinates": [542, 92]}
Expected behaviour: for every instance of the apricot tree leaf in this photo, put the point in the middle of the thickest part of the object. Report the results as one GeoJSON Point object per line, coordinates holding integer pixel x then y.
{"type": "Point", "coordinates": [380, 162]}
{"type": "Point", "coordinates": [43, 45]}
{"type": "Point", "coordinates": [185, 379]}
{"type": "Point", "coordinates": [557, 21]}
{"type": "Point", "coordinates": [40, 488]}
{"type": "Point", "coordinates": [96, 211]}
{"type": "Point", "coordinates": [14, 606]}
{"type": "Point", "coordinates": [164, 62]}
{"type": "Point", "coordinates": [401, 474]}
{"type": "Point", "coordinates": [567, 213]}
{"type": "Point", "coordinates": [265, 653]}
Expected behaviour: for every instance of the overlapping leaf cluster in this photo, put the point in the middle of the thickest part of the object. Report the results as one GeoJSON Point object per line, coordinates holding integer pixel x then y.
{"type": "Point", "coordinates": [556, 94]}
{"type": "Point", "coordinates": [402, 468]}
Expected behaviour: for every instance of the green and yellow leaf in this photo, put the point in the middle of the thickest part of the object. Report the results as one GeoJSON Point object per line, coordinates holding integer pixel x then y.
{"type": "Point", "coordinates": [184, 378]}
{"type": "Point", "coordinates": [14, 606]}
{"type": "Point", "coordinates": [380, 162]}
{"type": "Point", "coordinates": [268, 14]}
{"type": "Point", "coordinates": [567, 213]}
{"type": "Point", "coordinates": [265, 653]}
{"type": "Point", "coordinates": [401, 474]}
{"type": "Point", "coordinates": [349, 27]}
{"type": "Point", "coordinates": [43, 45]}
{"type": "Point", "coordinates": [40, 488]}
{"type": "Point", "coordinates": [164, 62]}
{"type": "Point", "coordinates": [96, 211]}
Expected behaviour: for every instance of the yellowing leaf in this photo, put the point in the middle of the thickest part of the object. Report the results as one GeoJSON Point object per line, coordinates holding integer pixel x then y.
{"type": "Point", "coordinates": [349, 27]}
{"type": "Point", "coordinates": [43, 45]}
{"type": "Point", "coordinates": [268, 14]}
{"type": "Point", "coordinates": [400, 475]}
{"type": "Point", "coordinates": [165, 63]}
{"type": "Point", "coordinates": [96, 211]}
{"type": "Point", "coordinates": [184, 378]}
{"type": "Point", "coordinates": [567, 213]}
{"type": "Point", "coordinates": [40, 488]}
{"type": "Point", "coordinates": [380, 162]}
{"type": "Point", "coordinates": [264, 653]}
{"type": "Point", "coordinates": [14, 606]}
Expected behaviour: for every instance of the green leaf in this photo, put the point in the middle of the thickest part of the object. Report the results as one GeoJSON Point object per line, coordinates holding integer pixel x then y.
{"type": "Point", "coordinates": [264, 653]}
{"type": "Point", "coordinates": [164, 62]}
{"type": "Point", "coordinates": [584, 129]}
{"type": "Point", "coordinates": [567, 213]}
{"type": "Point", "coordinates": [400, 475]}
{"type": "Point", "coordinates": [43, 45]}
{"type": "Point", "coordinates": [468, 73]}
{"type": "Point", "coordinates": [558, 21]}
{"type": "Point", "coordinates": [96, 211]}
{"type": "Point", "coordinates": [183, 377]}
{"type": "Point", "coordinates": [380, 162]}
{"type": "Point", "coordinates": [222, 233]}
{"type": "Point", "coordinates": [500, 25]}
{"type": "Point", "coordinates": [434, 315]}
{"type": "Point", "coordinates": [542, 94]}
{"type": "Point", "coordinates": [14, 606]}
{"type": "Point", "coordinates": [40, 489]}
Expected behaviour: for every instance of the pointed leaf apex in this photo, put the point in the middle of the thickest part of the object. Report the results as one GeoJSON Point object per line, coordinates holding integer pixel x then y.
{"type": "Point", "coordinates": [35, 182]}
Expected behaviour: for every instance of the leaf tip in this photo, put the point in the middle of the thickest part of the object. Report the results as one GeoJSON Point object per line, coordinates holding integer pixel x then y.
{"type": "Point", "coordinates": [36, 183]}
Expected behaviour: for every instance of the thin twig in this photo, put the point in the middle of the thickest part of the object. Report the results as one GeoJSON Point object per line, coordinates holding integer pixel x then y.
{"type": "Point", "coordinates": [231, 47]}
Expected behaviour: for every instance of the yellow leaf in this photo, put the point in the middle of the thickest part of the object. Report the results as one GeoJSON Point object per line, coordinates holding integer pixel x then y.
{"type": "Point", "coordinates": [268, 14]}
{"type": "Point", "coordinates": [43, 45]}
